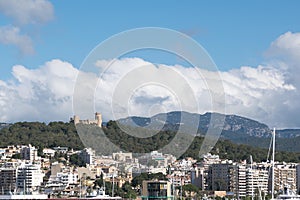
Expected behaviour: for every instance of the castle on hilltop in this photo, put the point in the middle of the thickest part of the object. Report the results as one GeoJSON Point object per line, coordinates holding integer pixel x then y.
{"type": "Point", "coordinates": [97, 121]}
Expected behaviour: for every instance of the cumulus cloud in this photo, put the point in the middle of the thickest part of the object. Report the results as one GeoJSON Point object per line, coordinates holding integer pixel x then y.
{"type": "Point", "coordinates": [10, 35]}
{"type": "Point", "coordinates": [257, 92]}
{"type": "Point", "coordinates": [284, 54]}
{"type": "Point", "coordinates": [27, 11]}
{"type": "Point", "coordinates": [249, 91]}
{"type": "Point", "coordinates": [268, 93]}
{"type": "Point", "coordinates": [286, 46]}
{"type": "Point", "coordinates": [22, 13]}
{"type": "Point", "coordinates": [41, 94]}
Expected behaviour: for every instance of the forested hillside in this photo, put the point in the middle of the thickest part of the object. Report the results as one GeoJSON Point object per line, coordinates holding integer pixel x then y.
{"type": "Point", "coordinates": [41, 135]}
{"type": "Point", "coordinates": [64, 134]}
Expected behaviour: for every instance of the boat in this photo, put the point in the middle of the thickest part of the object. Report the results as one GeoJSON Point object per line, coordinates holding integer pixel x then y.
{"type": "Point", "coordinates": [288, 194]}
{"type": "Point", "coordinates": [99, 194]}
{"type": "Point", "coordinates": [23, 196]}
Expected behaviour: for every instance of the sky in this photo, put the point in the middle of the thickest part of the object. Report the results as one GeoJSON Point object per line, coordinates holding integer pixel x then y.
{"type": "Point", "coordinates": [254, 44]}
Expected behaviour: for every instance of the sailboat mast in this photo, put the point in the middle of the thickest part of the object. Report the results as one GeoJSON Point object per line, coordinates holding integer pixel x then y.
{"type": "Point", "coordinates": [113, 185]}
{"type": "Point", "coordinates": [252, 176]}
{"type": "Point", "coordinates": [273, 164]}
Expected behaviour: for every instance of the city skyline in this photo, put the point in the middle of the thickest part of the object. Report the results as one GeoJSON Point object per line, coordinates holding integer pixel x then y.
{"type": "Point", "coordinates": [254, 45]}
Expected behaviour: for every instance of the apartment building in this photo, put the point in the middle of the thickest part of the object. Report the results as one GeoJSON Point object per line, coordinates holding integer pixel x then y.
{"type": "Point", "coordinates": [218, 178]}
{"type": "Point", "coordinates": [285, 176]}
{"type": "Point", "coordinates": [158, 190]}
{"type": "Point", "coordinates": [29, 153]}
{"type": "Point", "coordinates": [8, 178]}
{"type": "Point", "coordinates": [29, 177]}
{"type": "Point", "coordinates": [88, 156]}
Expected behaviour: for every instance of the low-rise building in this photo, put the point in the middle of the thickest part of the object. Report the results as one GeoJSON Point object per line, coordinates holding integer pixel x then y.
{"type": "Point", "coordinates": [123, 157]}
{"type": "Point", "coordinates": [156, 189]}
{"type": "Point", "coordinates": [49, 152]}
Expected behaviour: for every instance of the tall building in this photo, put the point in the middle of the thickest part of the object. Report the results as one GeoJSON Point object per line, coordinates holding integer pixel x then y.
{"type": "Point", "coordinates": [20, 177]}
{"type": "Point", "coordinates": [195, 176]}
{"type": "Point", "coordinates": [247, 181]}
{"type": "Point", "coordinates": [238, 181]}
{"type": "Point", "coordinates": [203, 169]}
{"type": "Point", "coordinates": [8, 178]}
{"type": "Point", "coordinates": [298, 178]}
{"type": "Point", "coordinates": [156, 190]}
{"type": "Point", "coordinates": [29, 153]}
{"type": "Point", "coordinates": [88, 156]}
{"type": "Point", "coordinates": [218, 178]}
{"type": "Point", "coordinates": [257, 181]}
{"type": "Point", "coordinates": [29, 177]}
{"type": "Point", "coordinates": [285, 176]}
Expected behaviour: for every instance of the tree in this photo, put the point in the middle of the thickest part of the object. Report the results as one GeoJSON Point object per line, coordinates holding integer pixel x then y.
{"type": "Point", "coordinates": [189, 188]}
{"type": "Point", "coordinates": [55, 134]}
{"type": "Point", "coordinates": [76, 160]}
{"type": "Point", "coordinates": [137, 181]}
{"type": "Point", "coordinates": [16, 156]}
{"type": "Point", "coordinates": [128, 191]}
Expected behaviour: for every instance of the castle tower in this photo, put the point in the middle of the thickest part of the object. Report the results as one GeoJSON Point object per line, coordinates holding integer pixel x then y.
{"type": "Point", "coordinates": [98, 118]}
{"type": "Point", "coordinates": [76, 119]}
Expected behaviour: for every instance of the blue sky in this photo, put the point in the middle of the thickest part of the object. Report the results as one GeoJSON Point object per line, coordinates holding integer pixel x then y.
{"type": "Point", "coordinates": [234, 33]}
{"type": "Point", "coordinates": [255, 44]}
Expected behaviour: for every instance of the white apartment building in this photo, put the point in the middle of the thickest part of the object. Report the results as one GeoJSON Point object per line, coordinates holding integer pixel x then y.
{"type": "Point", "coordinates": [66, 178]}
{"type": "Point", "coordinates": [285, 176]}
{"type": "Point", "coordinates": [29, 177]}
{"type": "Point", "coordinates": [20, 177]}
{"type": "Point", "coordinates": [257, 181]}
{"type": "Point", "coordinates": [241, 179]}
{"type": "Point", "coordinates": [238, 180]}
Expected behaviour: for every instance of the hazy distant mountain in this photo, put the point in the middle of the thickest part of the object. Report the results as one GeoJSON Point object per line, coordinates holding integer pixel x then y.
{"type": "Point", "coordinates": [288, 133]}
{"type": "Point", "coordinates": [3, 125]}
{"type": "Point", "coordinates": [172, 120]}
{"type": "Point", "coordinates": [235, 128]}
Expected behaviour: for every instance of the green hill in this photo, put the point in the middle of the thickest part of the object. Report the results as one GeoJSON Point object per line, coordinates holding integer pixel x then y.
{"type": "Point", "coordinates": [65, 134]}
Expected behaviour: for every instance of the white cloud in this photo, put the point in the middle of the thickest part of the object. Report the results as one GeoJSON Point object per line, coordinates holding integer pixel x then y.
{"type": "Point", "coordinates": [27, 11]}
{"type": "Point", "coordinates": [10, 35]}
{"type": "Point", "coordinates": [287, 45]}
{"type": "Point", "coordinates": [22, 13]}
{"type": "Point", "coordinates": [268, 93]}
{"type": "Point", "coordinates": [256, 92]}
{"type": "Point", "coordinates": [42, 94]}
{"type": "Point", "coordinates": [46, 93]}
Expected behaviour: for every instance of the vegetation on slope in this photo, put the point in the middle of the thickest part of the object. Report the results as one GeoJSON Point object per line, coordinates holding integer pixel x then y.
{"type": "Point", "coordinates": [64, 134]}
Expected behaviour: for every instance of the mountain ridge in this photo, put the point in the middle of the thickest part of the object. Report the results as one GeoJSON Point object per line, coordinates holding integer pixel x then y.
{"type": "Point", "coordinates": [4, 125]}
{"type": "Point", "coordinates": [231, 122]}
{"type": "Point", "coordinates": [238, 129]}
